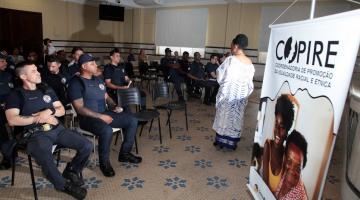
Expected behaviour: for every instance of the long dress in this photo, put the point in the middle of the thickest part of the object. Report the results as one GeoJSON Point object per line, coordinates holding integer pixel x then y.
{"type": "Point", "coordinates": [236, 84]}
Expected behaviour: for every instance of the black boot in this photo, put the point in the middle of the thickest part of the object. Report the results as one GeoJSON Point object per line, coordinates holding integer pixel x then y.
{"type": "Point", "coordinates": [73, 176]}
{"type": "Point", "coordinates": [129, 157]}
{"type": "Point", "coordinates": [75, 191]}
{"type": "Point", "coordinates": [107, 169]}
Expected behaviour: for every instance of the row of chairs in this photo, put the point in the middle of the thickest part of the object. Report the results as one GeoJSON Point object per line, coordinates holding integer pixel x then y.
{"type": "Point", "coordinates": [131, 96]}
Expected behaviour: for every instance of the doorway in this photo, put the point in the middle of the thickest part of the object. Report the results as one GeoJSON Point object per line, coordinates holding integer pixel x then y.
{"type": "Point", "coordinates": [22, 29]}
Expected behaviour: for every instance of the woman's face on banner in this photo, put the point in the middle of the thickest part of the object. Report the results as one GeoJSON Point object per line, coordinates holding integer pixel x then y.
{"type": "Point", "coordinates": [293, 165]}
{"type": "Point", "coordinates": [280, 133]}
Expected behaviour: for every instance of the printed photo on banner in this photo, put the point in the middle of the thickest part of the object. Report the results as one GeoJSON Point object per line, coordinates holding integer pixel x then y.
{"type": "Point", "coordinates": [290, 160]}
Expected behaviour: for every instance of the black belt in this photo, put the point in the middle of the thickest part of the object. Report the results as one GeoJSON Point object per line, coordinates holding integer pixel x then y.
{"type": "Point", "coordinates": [40, 128]}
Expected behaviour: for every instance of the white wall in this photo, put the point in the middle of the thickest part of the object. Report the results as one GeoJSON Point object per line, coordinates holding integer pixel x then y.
{"type": "Point", "coordinates": [298, 12]}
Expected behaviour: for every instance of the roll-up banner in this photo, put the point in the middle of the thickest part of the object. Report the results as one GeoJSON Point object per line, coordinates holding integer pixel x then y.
{"type": "Point", "coordinates": [307, 75]}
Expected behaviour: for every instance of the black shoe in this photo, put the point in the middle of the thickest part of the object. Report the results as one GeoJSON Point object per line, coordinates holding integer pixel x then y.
{"type": "Point", "coordinates": [107, 170]}
{"type": "Point", "coordinates": [73, 176]}
{"type": "Point", "coordinates": [129, 157]}
{"type": "Point", "coordinates": [75, 191]}
{"type": "Point", "coordinates": [5, 164]}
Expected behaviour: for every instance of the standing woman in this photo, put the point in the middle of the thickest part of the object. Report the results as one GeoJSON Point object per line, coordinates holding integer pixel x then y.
{"type": "Point", "coordinates": [235, 77]}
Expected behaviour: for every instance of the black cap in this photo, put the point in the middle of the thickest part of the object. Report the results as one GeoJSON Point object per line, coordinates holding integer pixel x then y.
{"type": "Point", "coordinates": [167, 50]}
{"type": "Point", "coordinates": [85, 58]}
{"type": "Point", "coordinates": [2, 56]}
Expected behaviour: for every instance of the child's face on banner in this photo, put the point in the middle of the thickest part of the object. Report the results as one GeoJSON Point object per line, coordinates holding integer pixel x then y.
{"type": "Point", "coordinates": [293, 165]}
{"type": "Point", "coordinates": [279, 130]}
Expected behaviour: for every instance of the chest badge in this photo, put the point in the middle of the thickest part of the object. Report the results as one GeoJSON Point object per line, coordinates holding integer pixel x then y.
{"type": "Point", "coordinates": [101, 86]}
{"type": "Point", "coordinates": [47, 98]}
{"type": "Point", "coordinates": [63, 80]}
{"type": "Point", "coordinates": [11, 85]}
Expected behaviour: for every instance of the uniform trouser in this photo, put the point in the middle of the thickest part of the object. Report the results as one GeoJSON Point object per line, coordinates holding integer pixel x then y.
{"type": "Point", "coordinates": [208, 85]}
{"type": "Point", "coordinates": [4, 137]}
{"type": "Point", "coordinates": [3, 132]}
{"type": "Point", "coordinates": [98, 127]}
{"type": "Point", "coordinates": [177, 79]}
{"type": "Point", "coordinates": [39, 146]}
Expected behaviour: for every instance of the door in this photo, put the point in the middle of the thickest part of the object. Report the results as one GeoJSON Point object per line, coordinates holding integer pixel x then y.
{"type": "Point", "coordinates": [21, 29]}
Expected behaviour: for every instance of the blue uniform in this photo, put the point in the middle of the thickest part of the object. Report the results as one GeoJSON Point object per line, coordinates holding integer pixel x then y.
{"type": "Point", "coordinates": [58, 82]}
{"type": "Point", "coordinates": [39, 145]}
{"type": "Point", "coordinates": [92, 91]}
{"type": "Point", "coordinates": [209, 67]}
{"type": "Point", "coordinates": [73, 69]}
{"type": "Point", "coordinates": [6, 85]}
{"type": "Point", "coordinates": [172, 74]}
{"type": "Point", "coordinates": [212, 83]}
{"type": "Point", "coordinates": [117, 76]}
{"type": "Point", "coordinates": [197, 70]}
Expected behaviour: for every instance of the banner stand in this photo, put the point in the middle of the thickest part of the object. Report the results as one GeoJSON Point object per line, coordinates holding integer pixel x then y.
{"type": "Point", "coordinates": [306, 80]}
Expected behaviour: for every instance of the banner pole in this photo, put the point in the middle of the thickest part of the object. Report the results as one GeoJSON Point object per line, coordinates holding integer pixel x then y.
{"type": "Point", "coordinates": [313, 2]}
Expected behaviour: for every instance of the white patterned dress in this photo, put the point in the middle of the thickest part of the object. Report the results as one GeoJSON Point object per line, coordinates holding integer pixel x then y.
{"type": "Point", "coordinates": [236, 84]}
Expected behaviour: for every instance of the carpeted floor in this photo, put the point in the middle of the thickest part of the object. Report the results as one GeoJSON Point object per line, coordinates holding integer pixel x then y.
{"type": "Point", "coordinates": [187, 166]}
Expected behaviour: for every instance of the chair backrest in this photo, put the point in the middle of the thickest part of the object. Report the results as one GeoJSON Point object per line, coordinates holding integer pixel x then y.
{"type": "Point", "coordinates": [160, 90]}
{"type": "Point", "coordinates": [130, 96]}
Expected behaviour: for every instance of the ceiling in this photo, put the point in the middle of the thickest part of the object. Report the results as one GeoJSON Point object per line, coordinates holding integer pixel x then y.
{"type": "Point", "coordinates": [170, 3]}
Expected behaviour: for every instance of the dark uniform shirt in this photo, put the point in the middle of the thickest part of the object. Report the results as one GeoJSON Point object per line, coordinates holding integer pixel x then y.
{"type": "Point", "coordinates": [6, 85]}
{"type": "Point", "coordinates": [31, 101]}
{"type": "Point", "coordinates": [165, 62]}
{"type": "Point", "coordinates": [197, 70]}
{"type": "Point", "coordinates": [209, 68]}
{"type": "Point", "coordinates": [59, 83]}
{"type": "Point", "coordinates": [184, 64]}
{"type": "Point", "coordinates": [73, 69]}
{"type": "Point", "coordinates": [116, 74]}
{"type": "Point", "coordinates": [92, 91]}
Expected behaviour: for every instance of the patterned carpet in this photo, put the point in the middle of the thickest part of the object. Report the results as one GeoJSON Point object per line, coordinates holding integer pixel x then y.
{"type": "Point", "coordinates": [187, 166]}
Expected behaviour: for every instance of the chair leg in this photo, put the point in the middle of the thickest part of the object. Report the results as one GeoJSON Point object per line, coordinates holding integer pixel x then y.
{"type": "Point", "coordinates": [169, 115]}
{"type": "Point", "coordinates": [13, 165]}
{"type": "Point", "coordinates": [136, 146]}
{"type": "Point", "coordinates": [116, 137]}
{"type": "Point", "coordinates": [151, 125]}
{"type": "Point", "coordinates": [122, 135]}
{"type": "Point", "coordinates": [94, 150]}
{"type": "Point", "coordinates": [32, 177]}
{"type": "Point", "coordinates": [186, 119]}
{"type": "Point", "coordinates": [142, 127]}
{"type": "Point", "coordinates": [58, 158]}
{"type": "Point", "coordinates": [159, 130]}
